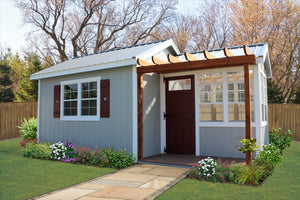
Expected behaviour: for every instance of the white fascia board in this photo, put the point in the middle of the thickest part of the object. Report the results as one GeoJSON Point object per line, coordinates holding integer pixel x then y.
{"type": "Point", "coordinates": [147, 54]}
{"type": "Point", "coordinates": [110, 65]}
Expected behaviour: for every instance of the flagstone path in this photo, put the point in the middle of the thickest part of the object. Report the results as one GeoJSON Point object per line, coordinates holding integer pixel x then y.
{"type": "Point", "coordinates": [141, 181]}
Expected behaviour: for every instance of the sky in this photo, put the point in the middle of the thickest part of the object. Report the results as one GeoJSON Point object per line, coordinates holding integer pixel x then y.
{"type": "Point", "coordinates": [13, 31]}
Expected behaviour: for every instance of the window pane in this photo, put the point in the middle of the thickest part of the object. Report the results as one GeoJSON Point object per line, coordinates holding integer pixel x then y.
{"type": "Point", "coordinates": [85, 94]}
{"type": "Point", "coordinates": [93, 94]}
{"type": "Point", "coordinates": [93, 85]}
{"type": "Point", "coordinates": [211, 97]}
{"type": "Point", "coordinates": [183, 84]}
{"type": "Point", "coordinates": [85, 86]}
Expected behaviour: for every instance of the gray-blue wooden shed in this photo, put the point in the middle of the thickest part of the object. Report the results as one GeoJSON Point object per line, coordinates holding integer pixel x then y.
{"type": "Point", "coordinates": [93, 100]}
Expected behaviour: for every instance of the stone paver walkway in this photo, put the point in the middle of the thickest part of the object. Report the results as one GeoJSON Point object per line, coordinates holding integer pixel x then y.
{"type": "Point", "coordinates": [141, 181]}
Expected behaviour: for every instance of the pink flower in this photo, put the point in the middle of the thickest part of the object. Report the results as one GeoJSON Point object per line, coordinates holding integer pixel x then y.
{"type": "Point", "coordinates": [211, 175]}
{"type": "Point", "coordinates": [202, 179]}
{"type": "Point", "coordinates": [222, 177]}
{"type": "Point", "coordinates": [226, 172]}
{"type": "Point", "coordinates": [197, 165]}
{"type": "Point", "coordinates": [224, 182]}
{"type": "Point", "coordinates": [190, 169]}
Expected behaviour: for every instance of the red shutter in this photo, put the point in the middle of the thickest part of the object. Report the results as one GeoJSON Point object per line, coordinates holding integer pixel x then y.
{"type": "Point", "coordinates": [56, 110]}
{"type": "Point", "coordinates": [105, 98]}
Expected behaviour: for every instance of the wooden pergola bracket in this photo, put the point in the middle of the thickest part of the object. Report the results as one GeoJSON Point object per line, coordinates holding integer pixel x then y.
{"type": "Point", "coordinates": [227, 53]}
{"type": "Point", "coordinates": [158, 61]}
{"type": "Point", "coordinates": [173, 59]}
{"type": "Point", "coordinates": [208, 55]}
{"type": "Point", "coordinates": [247, 51]}
{"type": "Point", "coordinates": [190, 57]}
{"type": "Point", "coordinates": [143, 62]}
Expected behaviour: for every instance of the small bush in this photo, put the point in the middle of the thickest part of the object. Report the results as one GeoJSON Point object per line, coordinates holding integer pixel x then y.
{"type": "Point", "coordinates": [210, 170]}
{"type": "Point", "coordinates": [117, 159]}
{"type": "Point", "coordinates": [41, 151]}
{"type": "Point", "coordinates": [254, 173]}
{"type": "Point", "coordinates": [58, 151]}
{"type": "Point", "coordinates": [104, 157]}
{"type": "Point", "coordinates": [280, 139]}
{"type": "Point", "coordinates": [236, 171]}
{"type": "Point", "coordinates": [28, 129]}
{"type": "Point", "coordinates": [24, 142]}
{"type": "Point", "coordinates": [271, 154]}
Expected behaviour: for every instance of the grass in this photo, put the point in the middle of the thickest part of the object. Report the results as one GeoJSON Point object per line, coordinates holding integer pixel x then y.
{"type": "Point", "coordinates": [284, 183]}
{"type": "Point", "coordinates": [23, 178]}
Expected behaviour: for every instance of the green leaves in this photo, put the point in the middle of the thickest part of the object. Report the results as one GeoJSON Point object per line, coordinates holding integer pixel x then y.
{"type": "Point", "coordinates": [28, 129]}
{"type": "Point", "coordinates": [249, 145]}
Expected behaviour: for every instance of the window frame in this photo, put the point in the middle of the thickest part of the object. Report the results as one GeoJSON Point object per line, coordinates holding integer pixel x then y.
{"type": "Point", "coordinates": [212, 86]}
{"type": "Point", "coordinates": [79, 116]}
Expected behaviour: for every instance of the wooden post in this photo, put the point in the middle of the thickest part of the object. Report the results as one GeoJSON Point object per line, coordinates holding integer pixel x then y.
{"type": "Point", "coordinates": [247, 108]}
{"type": "Point", "coordinates": [140, 116]}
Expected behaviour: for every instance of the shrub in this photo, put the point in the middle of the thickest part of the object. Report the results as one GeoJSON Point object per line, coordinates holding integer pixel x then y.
{"type": "Point", "coordinates": [58, 151]}
{"type": "Point", "coordinates": [210, 170]}
{"type": "Point", "coordinates": [104, 157]}
{"type": "Point", "coordinates": [41, 151]}
{"type": "Point", "coordinates": [235, 172]}
{"type": "Point", "coordinates": [254, 173]}
{"type": "Point", "coordinates": [24, 142]}
{"type": "Point", "coordinates": [28, 129]}
{"type": "Point", "coordinates": [271, 154]}
{"type": "Point", "coordinates": [117, 159]}
{"type": "Point", "coordinates": [281, 140]}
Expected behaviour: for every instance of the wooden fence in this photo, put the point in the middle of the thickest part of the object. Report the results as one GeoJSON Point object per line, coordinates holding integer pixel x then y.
{"type": "Point", "coordinates": [11, 116]}
{"type": "Point", "coordinates": [285, 116]}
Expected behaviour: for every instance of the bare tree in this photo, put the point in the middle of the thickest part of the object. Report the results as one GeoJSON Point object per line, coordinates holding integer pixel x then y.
{"type": "Point", "coordinates": [275, 22]}
{"type": "Point", "coordinates": [77, 27]}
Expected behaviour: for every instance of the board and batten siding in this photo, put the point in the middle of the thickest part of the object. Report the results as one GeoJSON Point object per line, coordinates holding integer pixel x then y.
{"type": "Point", "coordinates": [222, 141]}
{"type": "Point", "coordinates": [115, 131]}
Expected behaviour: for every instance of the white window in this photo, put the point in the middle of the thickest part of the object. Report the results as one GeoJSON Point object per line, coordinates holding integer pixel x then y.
{"type": "Point", "coordinates": [80, 99]}
{"type": "Point", "coordinates": [211, 97]}
{"type": "Point", "coordinates": [236, 96]}
{"type": "Point", "coordinates": [264, 99]}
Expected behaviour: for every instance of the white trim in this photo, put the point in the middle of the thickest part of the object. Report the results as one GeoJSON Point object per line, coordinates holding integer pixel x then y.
{"type": "Point", "coordinates": [91, 68]}
{"type": "Point", "coordinates": [257, 111]}
{"type": "Point", "coordinates": [39, 110]}
{"type": "Point", "coordinates": [134, 112]}
{"type": "Point", "coordinates": [164, 45]}
{"type": "Point", "coordinates": [162, 110]}
{"type": "Point", "coordinates": [197, 114]}
{"type": "Point", "coordinates": [79, 117]}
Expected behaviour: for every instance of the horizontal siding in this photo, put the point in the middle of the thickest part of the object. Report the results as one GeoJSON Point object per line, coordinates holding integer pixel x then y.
{"type": "Point", "coordinates": [115, 131]}
{"type": "Point", "coordinates": [222, 142]}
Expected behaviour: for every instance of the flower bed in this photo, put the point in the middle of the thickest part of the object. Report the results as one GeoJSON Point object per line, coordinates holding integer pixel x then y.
{"type": "Point", "coordinates": [253, 174]}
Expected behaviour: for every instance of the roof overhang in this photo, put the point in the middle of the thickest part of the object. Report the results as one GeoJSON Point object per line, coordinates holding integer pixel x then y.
{"type": "Point", "coordinates": [110, 65]}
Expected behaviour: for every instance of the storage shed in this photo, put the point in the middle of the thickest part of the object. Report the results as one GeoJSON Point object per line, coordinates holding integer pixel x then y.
{"type": "Point", "coordinates": [150, 98]}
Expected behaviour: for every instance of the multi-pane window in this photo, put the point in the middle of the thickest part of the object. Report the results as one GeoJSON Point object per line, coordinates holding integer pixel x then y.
{"type": "Point", "coordinates": [263, 88]}
{"type": "Point", "coordinates": [236, 96]}
{"type": "Point", "coordinates": [89, 98]}
{"type": "Point", "coordinates": [81, 99]}
{"type": "Point", "coordinates": [211, 97]}
{"type": "Point", "coordinates": [70, 99]}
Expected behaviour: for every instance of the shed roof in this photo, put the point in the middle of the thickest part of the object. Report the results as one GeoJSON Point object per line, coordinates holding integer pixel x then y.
{"type": "Point", "coordinates": [127, 56]}
{"type": "Point", "coordinates": [116, 57]}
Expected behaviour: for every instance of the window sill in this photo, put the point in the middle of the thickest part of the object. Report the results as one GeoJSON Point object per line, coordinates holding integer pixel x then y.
{"type": "Point", "coordinates": [96, 118]}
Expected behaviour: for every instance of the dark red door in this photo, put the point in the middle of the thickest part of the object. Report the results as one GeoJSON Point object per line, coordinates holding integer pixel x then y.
{"type": "Point", "coordinates": [180, 115]}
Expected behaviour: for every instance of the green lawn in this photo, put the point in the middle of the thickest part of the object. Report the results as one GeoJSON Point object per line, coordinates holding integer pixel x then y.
{"type": "Point", "coordinates": [284, 183]}
{"type": "Point", "coordinates": [22, 178]}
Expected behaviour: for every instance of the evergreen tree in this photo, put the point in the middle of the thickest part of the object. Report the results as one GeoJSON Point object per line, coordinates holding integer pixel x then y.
{"type": "Point", "coordinates": [28, 89]}
{"type": "Point", "coordinates": [6, 93]}
{"type": "Point", "coordinates": [297, 99]}
{"type": "Point", "coordinates": [274, 93]}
